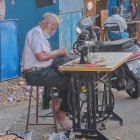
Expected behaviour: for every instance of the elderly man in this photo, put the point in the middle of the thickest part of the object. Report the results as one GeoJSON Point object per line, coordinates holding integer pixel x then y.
{"type": "Point", "coordinates": [37, 60]}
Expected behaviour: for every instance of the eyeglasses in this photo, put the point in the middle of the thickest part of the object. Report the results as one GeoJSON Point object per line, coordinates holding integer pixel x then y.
{"type": "Point", "coordinates": [54, 28]}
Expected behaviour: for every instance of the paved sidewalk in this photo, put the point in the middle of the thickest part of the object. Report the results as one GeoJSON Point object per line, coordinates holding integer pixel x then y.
{"type": "Point", "coordinates": [14, 117]}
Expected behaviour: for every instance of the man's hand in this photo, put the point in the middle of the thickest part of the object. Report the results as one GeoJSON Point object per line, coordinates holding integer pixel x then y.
{"type": "Point", "coordinates": [45, 56]}
{"type": "Point", "coordinates": [62, 52]}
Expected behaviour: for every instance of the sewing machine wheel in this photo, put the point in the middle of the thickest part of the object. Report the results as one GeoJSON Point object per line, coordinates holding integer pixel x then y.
{"type": "Point", "coordinates": [78, 46]}
{"type": "Point", "coordinates": [104, 103]}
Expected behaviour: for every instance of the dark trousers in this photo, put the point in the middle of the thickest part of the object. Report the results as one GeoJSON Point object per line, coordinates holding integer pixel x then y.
{"type": "Point", "coordinates": [48, 77]}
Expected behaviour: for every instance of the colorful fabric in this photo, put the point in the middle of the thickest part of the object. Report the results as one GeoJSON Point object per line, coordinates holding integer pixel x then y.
{"type": "Point", "coordinates": [116, 36]}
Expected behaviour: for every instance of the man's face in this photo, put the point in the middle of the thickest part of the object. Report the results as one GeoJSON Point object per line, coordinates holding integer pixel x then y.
{"type": "Point", "coordinates": [51, 28]}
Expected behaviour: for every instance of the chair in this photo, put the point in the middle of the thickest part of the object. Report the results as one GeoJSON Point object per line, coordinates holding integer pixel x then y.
{"type": "Point", "coordinates": [97, 32]}
{"type": "Point", "coordinates": [37, 109]}
{"type": "Point", "coordinates": [112, 28]}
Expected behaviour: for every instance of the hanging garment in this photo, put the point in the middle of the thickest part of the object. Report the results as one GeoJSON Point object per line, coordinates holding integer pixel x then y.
{"type": "Point", "coordinates": [2, 9]}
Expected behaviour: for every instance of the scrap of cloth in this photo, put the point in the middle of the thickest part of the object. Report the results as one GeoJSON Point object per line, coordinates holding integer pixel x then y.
{"type": "Point", "coordinates": [2, 9]}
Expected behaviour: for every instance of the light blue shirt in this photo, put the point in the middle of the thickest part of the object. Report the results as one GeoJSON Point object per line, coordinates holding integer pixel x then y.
{"type": "Point", "coordinates": [119, 20]}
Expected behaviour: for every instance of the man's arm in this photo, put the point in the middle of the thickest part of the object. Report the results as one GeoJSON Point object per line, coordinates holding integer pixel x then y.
{"type": "Point", "coordinates": [39, 47]}
{"type": "Point", "coordinates": [45, 56]}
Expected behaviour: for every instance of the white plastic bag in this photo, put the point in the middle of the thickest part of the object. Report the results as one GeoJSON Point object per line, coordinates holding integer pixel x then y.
{"type": "Point", "coordinates": [10, 135]}
{"type": "Point", "coordinates": [58, 136]}
{"type": "Point", "coordinates": [27, 135]}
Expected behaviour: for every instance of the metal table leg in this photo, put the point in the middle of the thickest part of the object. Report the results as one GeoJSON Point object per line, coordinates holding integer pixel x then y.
{"type": "Point", "coordinates": [91, 131]}
{"type": "Point", "coordinates": [114, 115]}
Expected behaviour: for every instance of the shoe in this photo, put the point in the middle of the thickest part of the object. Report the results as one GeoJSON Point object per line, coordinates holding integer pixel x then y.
{"type": "Point", "coordinates": [66, 124]}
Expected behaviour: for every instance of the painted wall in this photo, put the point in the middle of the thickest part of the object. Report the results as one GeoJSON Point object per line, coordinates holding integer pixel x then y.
{"type": "Point", "coordinates": [13, 32]}
{"type": "Point", "coordinates": [29, 15]}
{"type": "Point", "coordinates": [111, 3]}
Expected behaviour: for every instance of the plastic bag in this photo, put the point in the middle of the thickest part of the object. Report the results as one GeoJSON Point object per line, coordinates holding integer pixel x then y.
{"type": "Point", "coordinates": [58, 136]}
{"type": "Point", "coordinates": [10, 135]}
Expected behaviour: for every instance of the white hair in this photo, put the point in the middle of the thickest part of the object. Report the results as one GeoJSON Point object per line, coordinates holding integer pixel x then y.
{"type": "Point", "coordinates": [50, 17]}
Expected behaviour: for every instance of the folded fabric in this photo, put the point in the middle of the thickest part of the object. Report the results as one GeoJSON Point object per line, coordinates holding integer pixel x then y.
{"type": "Point", "coordinates": [115, 36]}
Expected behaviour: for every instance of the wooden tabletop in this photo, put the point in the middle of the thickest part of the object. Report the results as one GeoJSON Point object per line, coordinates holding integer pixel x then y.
{"type": "Point", "coordinates": [113, 60]}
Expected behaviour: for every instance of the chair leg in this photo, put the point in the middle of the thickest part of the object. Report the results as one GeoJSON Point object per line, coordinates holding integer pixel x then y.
{"type": "Point", "coordinates": [37, 102]}
{"type": "Point", "coordinates": [54, 113]}
{"type": "Point", "coordinates": [37, 107]}
{"type": "Point", "coordinates": [29, 107]}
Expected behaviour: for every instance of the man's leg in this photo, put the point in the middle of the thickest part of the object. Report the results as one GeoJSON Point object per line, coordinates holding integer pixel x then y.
{"type": "Point", "coordinates": [61, 106]}
{"type": "Point", "coordinates": [53, 79]}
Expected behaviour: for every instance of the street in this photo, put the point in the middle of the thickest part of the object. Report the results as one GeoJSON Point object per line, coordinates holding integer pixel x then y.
{"type": "Point", "coordinates": [13, 117]}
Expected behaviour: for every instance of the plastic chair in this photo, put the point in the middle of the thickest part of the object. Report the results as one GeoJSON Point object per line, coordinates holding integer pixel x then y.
{"type": "Point", "coordinates": [109, 29]}
{"type": "Point", "coordinates": [37, 109]}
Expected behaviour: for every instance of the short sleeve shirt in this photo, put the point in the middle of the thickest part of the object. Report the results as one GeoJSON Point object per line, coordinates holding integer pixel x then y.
{"type": "Point", "coordinates": [119, 20]}
{"type": "Point", "coordinates": [35, 42]}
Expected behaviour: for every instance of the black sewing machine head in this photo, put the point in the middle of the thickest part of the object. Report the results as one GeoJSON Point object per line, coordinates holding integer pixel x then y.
{"type": "Point", "coordinates": [86, 38]}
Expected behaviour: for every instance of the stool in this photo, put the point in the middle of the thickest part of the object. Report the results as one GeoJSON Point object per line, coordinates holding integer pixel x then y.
{"type": "Point", "coordinates": [37, 112]}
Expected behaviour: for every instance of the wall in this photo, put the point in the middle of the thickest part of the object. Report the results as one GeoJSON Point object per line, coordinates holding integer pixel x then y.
{"type": "Point", "coordinates": [9, 50]}
{"type": "Point", "coordinates": [111, 3]}
{"type": "Point", "coordinates": [29, 15]}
